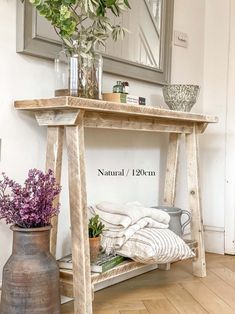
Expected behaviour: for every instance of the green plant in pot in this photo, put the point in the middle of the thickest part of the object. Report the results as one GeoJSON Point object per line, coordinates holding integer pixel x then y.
{"type": "Point", "coordinates": [82, 25]}
{"type": "Point", "coordinates": [95, 229]}
{"type": "Point", "coordinates": [31, 275]}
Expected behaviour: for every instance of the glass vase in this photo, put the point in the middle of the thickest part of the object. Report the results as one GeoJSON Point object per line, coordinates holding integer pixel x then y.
{"type": "Point", "coordinates": [78, 74]}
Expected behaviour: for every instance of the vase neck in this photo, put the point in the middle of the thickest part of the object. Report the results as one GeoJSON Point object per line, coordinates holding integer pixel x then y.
{"type": "Point", "coordinates": [30, 242]}
{"type": "Point", "coordinates": [77, 49]}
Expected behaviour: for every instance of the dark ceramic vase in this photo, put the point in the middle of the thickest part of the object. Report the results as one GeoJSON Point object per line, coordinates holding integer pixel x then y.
{"type": "Point", "coordinates": [31, 275]}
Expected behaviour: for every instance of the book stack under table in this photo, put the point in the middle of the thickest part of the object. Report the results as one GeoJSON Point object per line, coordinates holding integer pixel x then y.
{"type": "Point", "coordinates": [122, 272]}
{"type": "Point", "coordinates": [103, 263]}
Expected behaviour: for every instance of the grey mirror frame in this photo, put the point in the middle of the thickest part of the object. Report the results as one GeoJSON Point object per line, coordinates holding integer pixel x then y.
{"type": "Point", "coordinates": [29, 42]}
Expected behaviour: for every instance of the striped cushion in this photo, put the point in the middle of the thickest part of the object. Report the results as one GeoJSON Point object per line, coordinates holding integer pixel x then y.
{"type": "Point", "coordinates": [150, 245]}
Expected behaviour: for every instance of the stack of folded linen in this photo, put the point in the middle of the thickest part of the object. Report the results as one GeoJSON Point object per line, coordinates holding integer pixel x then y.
{"type": "Point", "coordinates": [123, 221]}
{"type": "Point", "coordinates": [139, 233]}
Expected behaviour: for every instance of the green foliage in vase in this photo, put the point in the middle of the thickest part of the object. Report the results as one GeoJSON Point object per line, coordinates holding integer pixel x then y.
{"type": "Point", "coordinates": [84, 23]}
{"type": "Point", "coordinates": [95, 227]}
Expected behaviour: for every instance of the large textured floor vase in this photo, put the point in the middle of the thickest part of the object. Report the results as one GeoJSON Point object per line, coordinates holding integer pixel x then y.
{"type": "Point", "coordinates": [31, 275]}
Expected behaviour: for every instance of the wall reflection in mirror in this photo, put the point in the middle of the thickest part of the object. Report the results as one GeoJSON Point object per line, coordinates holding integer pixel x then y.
{"type": "Point", "coordinates": [141, 43]}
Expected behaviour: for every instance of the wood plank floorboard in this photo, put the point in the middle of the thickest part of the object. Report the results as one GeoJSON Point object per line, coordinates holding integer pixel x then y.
{"type": "Point", "coordinates": [173, 291]}
{"type": "Point", "coordinates": [208, 300]}
{"type": "Point", "coordinates": [221, 288]}
{"type": "Point", "coordinates": [134, 312]}
{"type": "Point", "coordinates": [225, 274]}
{"type": "Point", "coordinates": [161, 306]}
{"type": "Point", "coordinates": [182, 299]}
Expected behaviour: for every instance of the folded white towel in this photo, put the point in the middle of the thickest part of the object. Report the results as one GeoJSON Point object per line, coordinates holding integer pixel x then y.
{"type": "Point", "coordinates": [118, 216]}
{"type": "Point", "coordinates": [113, 240]}
{"type": "Point", "coordinates": [123, 221]}
{"type": "Point", "coordinates": [112, 221]}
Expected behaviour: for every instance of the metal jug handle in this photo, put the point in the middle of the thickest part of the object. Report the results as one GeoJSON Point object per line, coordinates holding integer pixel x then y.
{"type": "Point", "coordinates": [187, 221]}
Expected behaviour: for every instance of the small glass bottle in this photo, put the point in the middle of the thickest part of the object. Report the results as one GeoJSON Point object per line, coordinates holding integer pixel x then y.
{"type": "Point", "coordinates": [118, 88]}
{"type": "Point", "coordinates": [125, 87]}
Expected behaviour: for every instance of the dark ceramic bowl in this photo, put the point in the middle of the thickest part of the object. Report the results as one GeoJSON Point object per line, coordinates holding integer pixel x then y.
{"type": "Point", "coordinates": [180, 97]}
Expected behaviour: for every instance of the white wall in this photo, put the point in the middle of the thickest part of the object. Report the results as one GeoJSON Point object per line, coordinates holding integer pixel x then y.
{"type": "Point", "coordinates": [187, 68]}
{"type": "Point", "coordinates": [23, 142]}
{"type": "Point", "coordinates": [188, 63]}
{"type": "Point", "coordinates": [218, 143]}
{"type": "Point", "coordinates": [215, 99]}
{"type": "Point", "coordinates": [216, 26]}
{"type": "Point", "coordinates": [229, 205]}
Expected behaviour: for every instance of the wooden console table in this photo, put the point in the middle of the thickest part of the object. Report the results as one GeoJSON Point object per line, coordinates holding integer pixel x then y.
{"type": "Point", "coordinates": [71, 115]}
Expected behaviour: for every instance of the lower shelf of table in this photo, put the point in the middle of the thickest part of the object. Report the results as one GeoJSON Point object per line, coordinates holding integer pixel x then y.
{"type": "Point", "coordinates": [124, 271]}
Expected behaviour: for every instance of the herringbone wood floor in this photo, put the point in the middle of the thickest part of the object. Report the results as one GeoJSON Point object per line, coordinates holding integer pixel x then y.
{"type": "Point", "coordinates": [169, 292]}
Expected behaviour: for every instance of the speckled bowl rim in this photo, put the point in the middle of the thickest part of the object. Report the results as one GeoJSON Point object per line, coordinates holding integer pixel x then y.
{"type": "Point", "coordinates": [180, 85]}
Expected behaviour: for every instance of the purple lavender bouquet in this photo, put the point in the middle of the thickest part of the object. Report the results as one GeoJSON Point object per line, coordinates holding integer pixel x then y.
{"type": "Point", "coordinates": [30, 205]}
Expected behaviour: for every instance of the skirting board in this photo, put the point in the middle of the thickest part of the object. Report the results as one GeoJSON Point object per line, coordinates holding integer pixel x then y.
{"type": "Point", "coordinates": [214, 239]}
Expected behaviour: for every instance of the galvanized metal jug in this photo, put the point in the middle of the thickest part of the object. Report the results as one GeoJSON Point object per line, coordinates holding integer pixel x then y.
{"type": "Point", "coordinates": [176, 213]}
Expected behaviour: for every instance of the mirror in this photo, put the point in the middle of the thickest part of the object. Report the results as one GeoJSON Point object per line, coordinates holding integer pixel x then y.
{"type": "Point", "coordinates": [144, 54]}
{"type": "Point", "coordinates": [141, 43]}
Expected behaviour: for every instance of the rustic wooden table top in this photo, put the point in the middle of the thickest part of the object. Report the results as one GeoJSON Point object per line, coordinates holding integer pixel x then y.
{"type": "Point", "coordinates": [66, 103]}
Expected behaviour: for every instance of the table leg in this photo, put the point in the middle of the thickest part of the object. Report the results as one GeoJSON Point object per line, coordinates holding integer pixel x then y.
{"type": "Point", "coordinates": [54, 162]}
{"type": "Point", "coordinates": [79, 221]}
{"type": "Point", "coordinates": [171, 169]}
{"type": "Point", "coordinates": [199, 264]}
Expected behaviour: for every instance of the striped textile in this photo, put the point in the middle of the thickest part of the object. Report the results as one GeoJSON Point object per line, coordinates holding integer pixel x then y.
{"type": "Point", "coordinates": [150, 245]}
